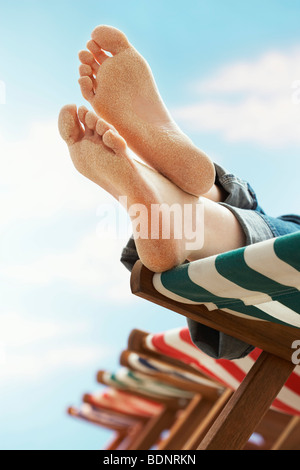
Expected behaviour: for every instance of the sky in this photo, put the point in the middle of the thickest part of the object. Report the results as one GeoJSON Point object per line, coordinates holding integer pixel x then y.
{"type": "Point", "coordinates": [229, 72]}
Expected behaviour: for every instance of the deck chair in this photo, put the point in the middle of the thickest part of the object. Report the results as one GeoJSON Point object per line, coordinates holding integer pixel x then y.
{"type": "Point", "coordinates": [125, 427]}
{"type": "Point", "coordinates": [251, 294]}
{"type": "Point", "coordinates": [138, 399]}
{"type": "Point", "coordinates": [174, 349]}
{"type": "Point", "coordinates": [207, 395]}
{"type": "Point", "coordinates": [172, 399]}
{"type": "Point", "coordinates": [160, 369]}
{"type": "Point", "coordinates": [123, 412]}
{"type": "Point", "coordinates": [124, 403]}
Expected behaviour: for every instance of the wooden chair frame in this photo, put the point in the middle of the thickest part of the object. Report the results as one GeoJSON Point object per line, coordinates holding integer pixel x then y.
{"type": "Point", "coordinates": [124, 435]}
{"type": "Point", "coordinates": [252, 400]}
{"type": "Point", "coordinates": [151, 432]}
{"type": "Point", "coordinates": [206, 400]}
{"type": "Point", "coordinates": [278, 431]}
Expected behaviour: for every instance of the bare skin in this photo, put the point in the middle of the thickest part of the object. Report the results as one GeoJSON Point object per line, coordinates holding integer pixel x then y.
{"type": "Point", "coordinates": [121, 89]}
{"type": "Point", "coordinates": [101, 155]}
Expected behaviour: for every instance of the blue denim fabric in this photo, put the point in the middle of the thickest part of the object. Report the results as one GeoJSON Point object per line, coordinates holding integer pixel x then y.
{"type": "Point", "coordinates": [282, 225]}
{"type": "Point", "coordinates": [258, 226]}
{"type": "Point", "coordinates": [242, 201]}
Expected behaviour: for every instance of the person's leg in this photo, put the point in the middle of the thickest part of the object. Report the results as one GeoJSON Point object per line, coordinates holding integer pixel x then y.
{"type": "Point", "coordinates": [162, 241]}
{"type": "Point", "coordinates": [122, 90]}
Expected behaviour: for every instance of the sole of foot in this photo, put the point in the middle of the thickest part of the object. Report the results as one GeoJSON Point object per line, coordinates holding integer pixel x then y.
{"type": "Point", "coordinates": [118, 83]}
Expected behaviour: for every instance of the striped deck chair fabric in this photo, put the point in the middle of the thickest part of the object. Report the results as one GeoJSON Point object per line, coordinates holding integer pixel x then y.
{"type": "Point", "coordinates": [104, 418]}
{"type": "Point", "coordinates": [260, 281]}
{"type": "Point", "coordinates": [135, 381]}
{"type": "Point", "coordinates": [146, 365]}
{"type": "Point", "coordinates": [177, 343]}
{"type": "Point", "coordinates": [124, 403]}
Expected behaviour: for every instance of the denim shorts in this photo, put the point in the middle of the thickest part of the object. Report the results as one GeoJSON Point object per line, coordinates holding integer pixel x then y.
{"type": "Point", "coordinates": [257, 226]}
{"type": "Point", "coordinates": [241, 200]}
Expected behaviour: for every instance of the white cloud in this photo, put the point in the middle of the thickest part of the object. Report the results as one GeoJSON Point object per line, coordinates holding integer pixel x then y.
{"type": "Point", "coordinates": [250, 101]}
{"type": "Point", "coordinates": [17, 330]}
{"type": "Point", "coordinates": [92, 265]}
{"type": "Point", "coordinates": [271, 74]}
{"type": "Point", "coordinates": [21, 337]}
{"type": "Point", "coordinates": [19, 365]}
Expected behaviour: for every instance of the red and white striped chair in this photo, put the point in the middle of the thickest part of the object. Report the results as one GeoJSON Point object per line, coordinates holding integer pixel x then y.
{"type": "Point", "coordinates": [122, 402]}
{"type": "Point", "coordinates": [124, 413]}
{"type": "Point", "coordinates": [177, 343]}
{"type": "Point", "coordinates": [122, 425]}
{"type": "Point", "coordinates": [172, 354]}
{"type": "Point", "coordinates": [138, 397]}
{"type": "Point", "coordinates": [208, 397]}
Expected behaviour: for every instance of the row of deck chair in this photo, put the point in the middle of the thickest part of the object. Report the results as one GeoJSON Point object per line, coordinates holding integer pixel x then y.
{"type": "Point", "coordinates": [251, 294]}
{"type": "Point", "coordinates": [169, 402]}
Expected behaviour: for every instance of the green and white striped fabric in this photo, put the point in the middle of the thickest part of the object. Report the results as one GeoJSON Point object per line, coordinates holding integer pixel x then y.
{"type": "Point", "coordinates": [260, 281]}
{"type": "Point", "coordinates": [135, 381]}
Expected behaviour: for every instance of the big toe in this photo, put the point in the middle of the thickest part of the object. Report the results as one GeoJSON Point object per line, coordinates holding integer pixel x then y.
{"type": "Point", "coordinates": [110, 39]}
{"type": "Point", "coordinates": [68, 124]}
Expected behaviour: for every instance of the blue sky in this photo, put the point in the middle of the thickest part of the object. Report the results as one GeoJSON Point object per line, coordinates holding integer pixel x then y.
{"type": "Point", "coordinates": [228, 71]}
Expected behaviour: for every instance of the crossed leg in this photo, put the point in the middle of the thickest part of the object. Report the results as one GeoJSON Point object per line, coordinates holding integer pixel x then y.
{"type": "Point", "coordinates": [101, 154]}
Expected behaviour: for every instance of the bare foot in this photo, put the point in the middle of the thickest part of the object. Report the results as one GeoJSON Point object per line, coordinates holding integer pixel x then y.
{"type": "Point", "coordinates": [122, 90]}
{"type": "Point", "coordinates": [101, 154]}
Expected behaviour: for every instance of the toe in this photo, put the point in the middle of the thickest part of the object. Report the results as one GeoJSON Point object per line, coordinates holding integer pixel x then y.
{"type": "Point", "coordinates": [110, 39]}
{"type": "Point", "coordinates": [82, 112]}
{"type": "Point", "coordinates": [91, 120]}
{"type": "Point", "coordinates": [69, 126]}
{"type": "Point", "coordinates": [85, 70]}
{"type": "Point", "coordinates": [86, 57]}
{"type": "Point", "coordinates": [102, 126]}
{"type": "Point", "coordinates": [87, 88]}
{"type": "Point", "coordinates": [97, 52]}
{"type": "Point", "coordinates": [114, 141]}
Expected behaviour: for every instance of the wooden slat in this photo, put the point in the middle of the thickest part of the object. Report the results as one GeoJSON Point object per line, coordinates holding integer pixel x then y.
{"type": "Point", "coordinates": [186, 423]}
{"type": "Point", "coordinates": [290, 437]}
{"type": "Point", "coordinates": [153, 429]}
{"type": "Point", "coordinates": [204, 425]}
{"type": "Point", "coordinates": [249, 404]}
{"type": "Point", "coordinates": [117, 441]}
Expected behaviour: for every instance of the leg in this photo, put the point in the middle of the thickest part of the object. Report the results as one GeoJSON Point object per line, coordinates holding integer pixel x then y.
{"type": "Point", "coordinates": [101, 154]}
{"type": "Point", "coordinates": [122, 91]}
